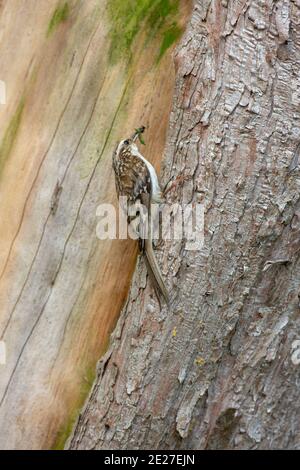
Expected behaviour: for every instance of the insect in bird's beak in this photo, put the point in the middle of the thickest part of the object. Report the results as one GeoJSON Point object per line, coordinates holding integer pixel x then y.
{"type": "Point", "coordinates": [138, 135]}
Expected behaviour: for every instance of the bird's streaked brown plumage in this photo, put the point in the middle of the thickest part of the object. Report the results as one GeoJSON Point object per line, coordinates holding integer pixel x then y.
{"type": "Point", "coordinates": [132, 175]}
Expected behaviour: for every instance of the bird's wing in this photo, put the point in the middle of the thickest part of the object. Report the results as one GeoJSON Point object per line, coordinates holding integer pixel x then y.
{"type": "Point", "coordinates": [132, 177]}
{"type": "Point", "coordinates": [133, 180]}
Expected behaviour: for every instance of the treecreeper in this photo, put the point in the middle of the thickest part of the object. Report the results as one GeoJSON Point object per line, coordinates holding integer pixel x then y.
{"type": "Point", "coordinates": [137, 183]}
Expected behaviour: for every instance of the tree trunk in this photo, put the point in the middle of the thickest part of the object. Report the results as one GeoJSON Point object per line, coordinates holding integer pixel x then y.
{"type": "Point", "coordinates": [220, 369]}
{"type": "Point", "coordinates": [72, 91]}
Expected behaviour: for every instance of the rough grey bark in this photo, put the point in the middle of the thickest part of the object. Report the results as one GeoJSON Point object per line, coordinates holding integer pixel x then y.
{"type": "Point", "coordinates": [220, 370]}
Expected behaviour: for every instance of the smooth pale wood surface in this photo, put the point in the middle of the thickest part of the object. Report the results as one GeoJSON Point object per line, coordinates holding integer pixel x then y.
{"type": "Point", "coordinates": [61, 289]}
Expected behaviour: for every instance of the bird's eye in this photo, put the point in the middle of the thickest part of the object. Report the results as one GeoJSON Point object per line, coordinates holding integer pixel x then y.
{"type": "Point", "coordinates": [126, 142]}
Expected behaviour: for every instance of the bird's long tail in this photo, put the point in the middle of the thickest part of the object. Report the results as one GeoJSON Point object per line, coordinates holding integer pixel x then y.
{"type": "Point", "coordinates": [154, 270]}
{"type": "Point", "coordinates": [148, 219]}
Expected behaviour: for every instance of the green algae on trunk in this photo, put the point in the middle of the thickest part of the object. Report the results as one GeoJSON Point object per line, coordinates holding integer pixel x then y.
{"type": "Point", "coordinates": [60, 15]}
{"type": "Point", "coordinates": [66, 429]}
{"type": "Point", "coordinates": [170, 36]}
{"type": "Point", "coordinates": [158, 18]}
{"type": "Point", "coordinates": [8, 140]}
